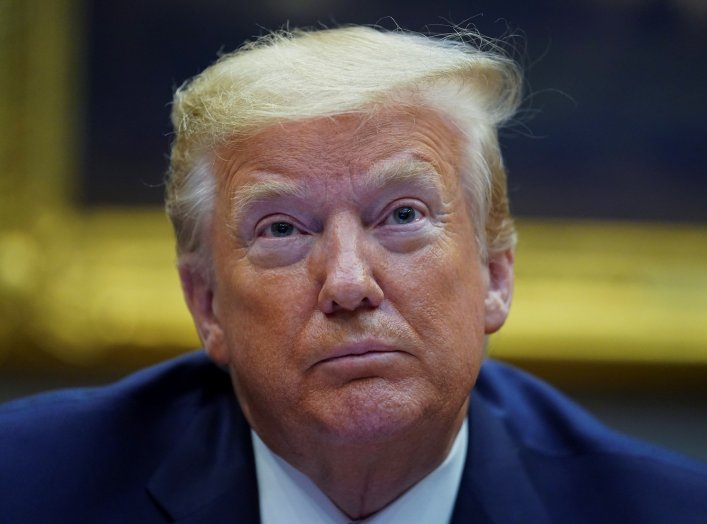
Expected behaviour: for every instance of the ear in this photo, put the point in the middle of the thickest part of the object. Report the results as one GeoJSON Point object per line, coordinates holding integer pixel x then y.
{"type": "Point", "coordinates": [499, 291]}
{"type": "Point", "coordinates": [198, 292]}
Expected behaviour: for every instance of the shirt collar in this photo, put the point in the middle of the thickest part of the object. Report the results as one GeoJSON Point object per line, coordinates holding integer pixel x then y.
{"type": "Point", "coordinates": [289, 496]}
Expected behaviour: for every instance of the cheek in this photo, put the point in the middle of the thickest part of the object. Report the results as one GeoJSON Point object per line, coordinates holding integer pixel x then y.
{"type": "Point", "coordinates": [264, 308]}
{"type": "Point", "coordinates": [441, 295]}
{"type": "Point", "coordinates": [443, 279]}
{"type": "Point", "coordinates": [262, 313]}
{"type": "Point", "coordinates": [267, 295]}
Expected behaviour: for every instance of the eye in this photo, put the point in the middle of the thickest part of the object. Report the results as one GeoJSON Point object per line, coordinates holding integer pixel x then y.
{"type": "Point", "coordinates": [280, 229]}
{"type": "Point", "coordinates": [277, 227]}
{"type": "Point", "coordinates": [404, 215]}
{"type": "Point", "coordinates": [407, 213]}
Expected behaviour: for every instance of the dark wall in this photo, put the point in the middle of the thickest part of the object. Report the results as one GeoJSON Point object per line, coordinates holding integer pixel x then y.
{"type": "Point", "coordinates": [614, 125]}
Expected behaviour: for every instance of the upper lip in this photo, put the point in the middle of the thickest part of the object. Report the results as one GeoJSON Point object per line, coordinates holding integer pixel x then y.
{"type": "Point", "coordinates": [358, 348]}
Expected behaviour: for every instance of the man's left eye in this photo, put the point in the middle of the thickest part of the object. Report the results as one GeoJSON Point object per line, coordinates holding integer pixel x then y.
{"type": "Point", "coordinates": [404, 215]}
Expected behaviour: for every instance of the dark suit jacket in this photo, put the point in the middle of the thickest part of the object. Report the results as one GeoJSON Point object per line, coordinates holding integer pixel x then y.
{"type": "Point", "coordinates": [170, 444]}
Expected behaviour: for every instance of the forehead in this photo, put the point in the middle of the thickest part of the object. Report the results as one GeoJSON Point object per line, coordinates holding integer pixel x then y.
{"type": "Point", "coordinates": [343, 147]}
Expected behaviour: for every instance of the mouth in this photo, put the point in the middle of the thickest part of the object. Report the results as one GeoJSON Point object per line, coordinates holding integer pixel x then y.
{"type": "Point", "coordinates": [360, 351]}
{"type": "Point", "coordinates": [372, 359]}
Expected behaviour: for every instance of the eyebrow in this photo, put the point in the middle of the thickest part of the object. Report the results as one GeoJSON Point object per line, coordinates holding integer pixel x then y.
{"type": "Point", "coordinates": [383, 173]}
{"type": "Point", "coordinates": [401, 170]}
{"type": "Point", "coordinates": [250, 194]}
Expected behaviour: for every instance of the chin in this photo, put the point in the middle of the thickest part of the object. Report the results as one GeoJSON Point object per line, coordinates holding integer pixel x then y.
{"type": "Point", "coordinates": [371, 410]}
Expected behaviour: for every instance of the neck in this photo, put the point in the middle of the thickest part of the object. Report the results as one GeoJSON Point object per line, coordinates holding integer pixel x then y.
{"type": "Point", "coordinates": [362, 479]}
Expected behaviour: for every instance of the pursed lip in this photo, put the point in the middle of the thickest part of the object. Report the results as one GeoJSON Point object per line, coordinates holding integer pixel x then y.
{"type": "Point", "coordinates": [357, 349]}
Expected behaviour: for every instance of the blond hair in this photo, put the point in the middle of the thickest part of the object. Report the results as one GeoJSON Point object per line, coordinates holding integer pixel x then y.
{"type": "Point", "coordinates": [301, 75]}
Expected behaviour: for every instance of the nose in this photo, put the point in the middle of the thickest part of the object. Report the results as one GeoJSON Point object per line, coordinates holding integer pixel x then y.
{"type": "Point", "coordinates": [348, 280]}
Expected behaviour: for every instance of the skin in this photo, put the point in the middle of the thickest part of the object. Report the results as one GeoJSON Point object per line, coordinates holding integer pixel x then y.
{"type": "Point", "coordinates": [347, 297]}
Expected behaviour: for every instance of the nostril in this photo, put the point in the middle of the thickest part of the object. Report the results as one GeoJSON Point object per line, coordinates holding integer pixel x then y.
{"type": "Point", "coordinates": [339, 295]}
{"type": "Point", "coordinates": [364, 304]}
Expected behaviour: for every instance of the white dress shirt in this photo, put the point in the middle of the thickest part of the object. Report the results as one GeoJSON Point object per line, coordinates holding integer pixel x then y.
{"type": "Point", "coordinates": [288, 496]}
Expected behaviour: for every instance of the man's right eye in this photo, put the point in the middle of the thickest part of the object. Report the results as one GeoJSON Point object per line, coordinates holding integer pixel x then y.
{"type": "Point", "coordinates": [278, 226]}
{"type": "Point", "coordinates": [280, 229]}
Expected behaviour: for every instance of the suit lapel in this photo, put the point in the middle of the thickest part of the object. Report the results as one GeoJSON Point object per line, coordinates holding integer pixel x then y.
{"type": "Point", "coordinates": [495, 487]}
{"type": "Point", "coordinates": [210, 476]}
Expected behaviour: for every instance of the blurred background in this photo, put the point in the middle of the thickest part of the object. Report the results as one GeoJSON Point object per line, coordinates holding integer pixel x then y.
{"type": "Point", "coordinates": [606, 165]}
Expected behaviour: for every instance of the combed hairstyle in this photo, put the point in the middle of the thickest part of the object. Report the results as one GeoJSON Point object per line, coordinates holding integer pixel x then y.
{"type": "Point", "coordinates": [299, 75]}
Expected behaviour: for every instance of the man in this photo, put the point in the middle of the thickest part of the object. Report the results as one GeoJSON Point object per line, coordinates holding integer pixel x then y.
{"type": "Point", "coordinates": [345, 247]}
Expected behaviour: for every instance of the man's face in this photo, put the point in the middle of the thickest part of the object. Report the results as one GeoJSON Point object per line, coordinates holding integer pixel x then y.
{"type": "Point", "coordinates": [348, 297]}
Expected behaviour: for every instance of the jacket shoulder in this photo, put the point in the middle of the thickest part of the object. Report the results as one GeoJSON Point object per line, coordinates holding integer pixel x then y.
{"type": "Point", "coordinates": [169, 383]}
{"type": "Point", "coordinates": [82, 444]}
{"type": "Point", "coordinates": [579, 467]}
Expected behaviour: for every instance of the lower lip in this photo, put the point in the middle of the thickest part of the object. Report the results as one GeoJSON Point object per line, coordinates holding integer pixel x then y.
{"type": "Point", "coordinates": [370, 364]}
